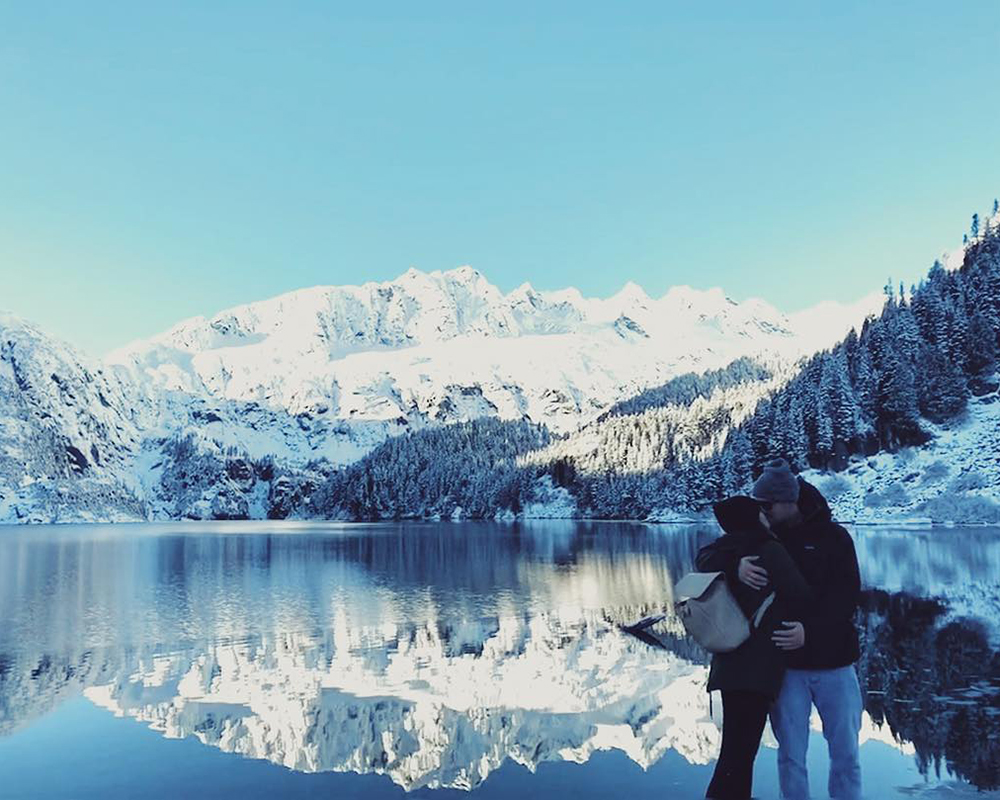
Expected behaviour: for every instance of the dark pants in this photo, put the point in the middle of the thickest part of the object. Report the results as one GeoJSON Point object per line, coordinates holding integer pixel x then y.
{"type": "Point", "coordinates": [743, 717]}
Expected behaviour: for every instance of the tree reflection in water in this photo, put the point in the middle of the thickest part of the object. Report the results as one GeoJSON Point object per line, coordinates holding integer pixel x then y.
{"type": "Point", "coordinates": [935, 683]}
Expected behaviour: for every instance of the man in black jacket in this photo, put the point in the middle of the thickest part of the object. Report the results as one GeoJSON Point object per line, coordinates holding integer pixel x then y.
{"type": "Point", "coordinates": [821, 643]}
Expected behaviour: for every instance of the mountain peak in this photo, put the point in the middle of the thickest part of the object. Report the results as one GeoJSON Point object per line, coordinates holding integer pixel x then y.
{"type": "Point", "coordinates": [711, 301]}
{"type": "Point", "coordinates": [631, 292]}
{"type": "Point", "coordinates": [465, 273]}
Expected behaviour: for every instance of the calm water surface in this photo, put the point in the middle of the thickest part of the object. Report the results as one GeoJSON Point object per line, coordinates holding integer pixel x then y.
{"type": "Point", "coordinates": [437, 660]}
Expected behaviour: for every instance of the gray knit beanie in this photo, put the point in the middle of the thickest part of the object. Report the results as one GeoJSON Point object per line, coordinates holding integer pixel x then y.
{"type": "Point", "coordinates": [777, 483]}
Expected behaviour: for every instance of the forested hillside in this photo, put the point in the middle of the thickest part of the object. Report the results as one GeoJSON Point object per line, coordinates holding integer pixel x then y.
{"type": "Point", "coordinates": [677, 447]}
{"type": "Point", "coordinates": [488, 466]}
{"type": "Point", "coordinates": [931, 349]}
{"type": "Point", "coordinates": [466, 469]}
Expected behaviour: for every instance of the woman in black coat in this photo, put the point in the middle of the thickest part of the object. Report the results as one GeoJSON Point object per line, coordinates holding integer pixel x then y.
{"type": "Point", "coordinates": [750, 676]}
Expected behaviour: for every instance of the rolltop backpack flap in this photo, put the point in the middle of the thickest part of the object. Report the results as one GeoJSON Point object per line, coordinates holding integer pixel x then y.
{"type": "Point", "coordinates": [709, 612]}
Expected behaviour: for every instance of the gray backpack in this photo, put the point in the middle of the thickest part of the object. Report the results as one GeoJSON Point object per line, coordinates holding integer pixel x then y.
{"type": "Point", "coordinates": [710, 613]}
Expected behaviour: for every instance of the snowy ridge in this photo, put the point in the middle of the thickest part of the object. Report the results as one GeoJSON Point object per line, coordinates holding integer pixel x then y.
{"type": "Point", "coordinates": [93, 412]}
{"type": "Point", "coordinates": [954, 259]}
{"type": "Point", "coordinates": [445, 346]}
{"type": "Point", "coordinates": [324, 375]}
{"type": "Point", "coordinates": [69, 429]}
{"type": "Point", "coordinates": [82, 441]}
{"type": "Point", "coordinates": [814, 325]}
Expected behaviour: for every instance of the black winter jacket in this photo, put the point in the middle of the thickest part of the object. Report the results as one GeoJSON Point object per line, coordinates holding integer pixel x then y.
{"type": "Point", "coordinates": [757, 665]}
{"type": "Point", "coordinates": [824, 553]}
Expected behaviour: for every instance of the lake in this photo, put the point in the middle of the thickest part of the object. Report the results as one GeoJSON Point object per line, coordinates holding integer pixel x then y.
{"type": "Point", "coordinates": [283, 659]}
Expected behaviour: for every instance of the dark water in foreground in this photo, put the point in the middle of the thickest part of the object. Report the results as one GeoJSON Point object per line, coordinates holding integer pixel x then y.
{"type": "Point", "coordinates": [292, 660]}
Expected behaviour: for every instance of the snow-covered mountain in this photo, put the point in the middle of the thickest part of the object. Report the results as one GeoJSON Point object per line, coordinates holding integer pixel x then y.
{"type": "Point", "coordinates": [446, 346]}
{"type": "Point", "coordinates": [235, 416]}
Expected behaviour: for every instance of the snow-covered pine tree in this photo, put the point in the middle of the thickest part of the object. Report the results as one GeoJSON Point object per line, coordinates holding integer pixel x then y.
{"type": "Point", "coordinates": [796, 441]}
{"type": "Point", "coordinates": [958, 328]}
{"type": "Point", "coordinates": [846, 416]}
{"type": "Point", "coordinates": [742, 457]}
{"type": "Point", "coordinates": [981, 344]}
{"type": "Point", "coordinates": [896, 402]}
{"type": "Point", "coordinates": [906, 331]}
{"type": "Point", "coordinates": [823, 443]}
{"type": "Point", "coordinates": [941, 386]}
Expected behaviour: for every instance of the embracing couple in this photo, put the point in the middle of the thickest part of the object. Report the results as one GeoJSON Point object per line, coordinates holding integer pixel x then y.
{"type": "Point", "coordinates": [783, 540]}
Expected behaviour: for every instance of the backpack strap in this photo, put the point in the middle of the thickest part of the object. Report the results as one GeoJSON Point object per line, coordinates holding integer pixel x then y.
{"type": "Point", "coordinates": [762, 609]}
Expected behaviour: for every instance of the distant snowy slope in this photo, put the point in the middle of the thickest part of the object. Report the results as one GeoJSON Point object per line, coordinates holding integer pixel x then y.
{"type": "Point", "coordinates": [824, 324]}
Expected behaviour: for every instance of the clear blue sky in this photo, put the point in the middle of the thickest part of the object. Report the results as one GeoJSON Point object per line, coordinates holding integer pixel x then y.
{"type": "Point", "coordinates": [161, 160]}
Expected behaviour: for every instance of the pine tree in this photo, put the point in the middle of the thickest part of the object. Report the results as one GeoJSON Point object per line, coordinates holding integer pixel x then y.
{"type": "Point", "coordinates": [897, 412]}
{"type": "Point", "coordinates": [957, 337]}
{"type": "Point", "coordinates": [779, 439]}
{"type": "Point", "coordinates": [984, 280]}
{"type": "Point", "coordinates": [824, 433]}
{"type": "Point", "coordinates": [866, 392]}
{"type": "Point", "coordinates": [981, 344]}
{"type": "Point", "coordinates": [730, 481]}
{"type": "Point", "coordinates": [849, 348]}
{"type": "Point", "coordinates": [875, 339]}
{"type": "Point", "coordinates": [687, 479]}
{"type": "Point", "coordinates": [843, 406]}
{"type": "Point", "coordinates": [759, 433]}
{"type": "Point", "coordinates": [906, 331]}
{"type": "Point", "coordinates": [742, 457]}
{"type": "Point", "coordinates": [941, 388]}
{"type": "Point", "coordinates": [937, 319]}
{"type": "Point", "coordinates": [920, 307]}
{"type": "Point", "coordinates": [937, 275]}
{"type": "Point", "coordinates": [796, 443]}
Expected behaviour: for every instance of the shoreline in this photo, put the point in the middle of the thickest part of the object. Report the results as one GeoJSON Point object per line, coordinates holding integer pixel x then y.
{"type": "Point", "coordinates": [903, 524]}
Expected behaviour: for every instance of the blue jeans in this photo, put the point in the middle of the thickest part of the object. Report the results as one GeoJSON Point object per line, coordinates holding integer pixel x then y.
{"type": "Point", "coordinates": [837, 696]}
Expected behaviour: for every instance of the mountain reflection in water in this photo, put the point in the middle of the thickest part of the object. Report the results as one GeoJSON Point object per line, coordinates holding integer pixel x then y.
{"type": "Point", "coordinates": [434, 653]}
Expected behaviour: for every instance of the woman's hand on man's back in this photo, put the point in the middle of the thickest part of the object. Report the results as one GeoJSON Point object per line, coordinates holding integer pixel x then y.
{"type": "Point", "coordinates": [751, 574]}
